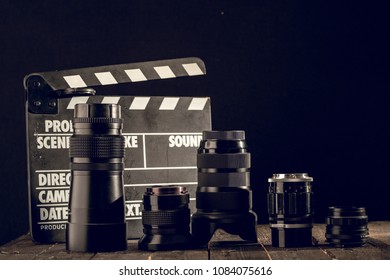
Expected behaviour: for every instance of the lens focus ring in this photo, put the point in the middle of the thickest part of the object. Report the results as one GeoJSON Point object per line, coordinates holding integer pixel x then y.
{"type": "Point", "coordinates": [97, 120]}
{"type": "Point", "coordinates": [159, 218]}
{"type": "Point", "coordinates": [97, 147]}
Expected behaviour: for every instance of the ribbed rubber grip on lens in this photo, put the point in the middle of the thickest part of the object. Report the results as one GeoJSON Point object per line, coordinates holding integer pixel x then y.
{"type": "Point", "coordinates": [97, 120]}
{"type": "Point", "coordinates": [97, 147]}
{"type": "Point", "coordinates": [165, 217]}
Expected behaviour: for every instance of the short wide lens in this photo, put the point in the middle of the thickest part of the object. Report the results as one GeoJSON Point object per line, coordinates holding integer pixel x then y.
{"type": "Point", "coordinates": [166, 219]}
{"type": "Point", "coordinates": [290, 209]}
{"type": "Point", "coordinates": [346, 226]}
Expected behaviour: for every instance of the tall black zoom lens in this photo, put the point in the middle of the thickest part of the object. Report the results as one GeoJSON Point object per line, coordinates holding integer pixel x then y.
{"type": "Point", "coordinates": [96, 220]}
{"type": "Point", "coordinates": [346, 226]}
{"type": "Point", "coordinates": [166, 219]}
{"type": "Point", "coordinates": [223, 195]}
{"type": "Point", "coordinates": [290, 209]}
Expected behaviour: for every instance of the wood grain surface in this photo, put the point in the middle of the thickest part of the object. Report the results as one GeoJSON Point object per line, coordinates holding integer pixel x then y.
{"type": "Point", "coordinates": [222, 246]}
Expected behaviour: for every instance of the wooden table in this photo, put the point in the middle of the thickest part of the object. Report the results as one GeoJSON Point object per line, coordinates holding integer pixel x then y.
{"type": "Point", "coordinates": [221, 247]}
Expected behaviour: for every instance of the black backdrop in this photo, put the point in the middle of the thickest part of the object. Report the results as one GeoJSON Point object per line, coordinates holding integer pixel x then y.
{"type": "Point", "coordinates": [307, 82]}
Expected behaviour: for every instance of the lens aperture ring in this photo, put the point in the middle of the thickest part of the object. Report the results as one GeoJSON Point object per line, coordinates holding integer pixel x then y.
{"type": "Point", "coordinates": [97, 147]}
{"type": "Point", "coordinates": [347, 221]}
{"type": "Point", "coordinates": [340, 235]}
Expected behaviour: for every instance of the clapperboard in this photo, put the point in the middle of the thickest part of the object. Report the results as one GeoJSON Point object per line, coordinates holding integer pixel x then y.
{"type": "Point", "coordinates": [161, 133]}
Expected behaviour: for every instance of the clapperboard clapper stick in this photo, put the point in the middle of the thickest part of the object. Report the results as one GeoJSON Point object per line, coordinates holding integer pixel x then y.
{"type": "Point", "coordinates": [44, 88]}
{"type": "Point", "coordinates": [161, 133]}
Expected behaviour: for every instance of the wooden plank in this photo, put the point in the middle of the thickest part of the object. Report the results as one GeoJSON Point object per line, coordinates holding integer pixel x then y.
{"type": "Point", "coordinates": [224, 246]}
{"type": "Point", "coordinates": [380, 231]}
{"type": "Point", "coordinates": [373, 250]}
{"type": "Point", "coordinates": [305, 253]}
{"type": "Point", "coordinates": [23, 248]}
{"type": "Point", "coordinates": [367, 252]}
{"type": "Point", "coordinates": [221, 246]}
{"type": "Point", "coordinates": [236, 250]}
{"type": "Point", "coordinates": [194, 254]}
{"type": "Point", "coordinates": [58, 252]}
{"type": "Point", "coordinates": [132, 253]}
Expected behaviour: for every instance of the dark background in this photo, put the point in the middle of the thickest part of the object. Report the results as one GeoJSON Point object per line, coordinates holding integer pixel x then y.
{"type": "Point", "coordinates": [309, 83]}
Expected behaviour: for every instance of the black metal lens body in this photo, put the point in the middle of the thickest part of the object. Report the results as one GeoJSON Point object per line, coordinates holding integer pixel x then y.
{"type": "Point", "coordinates": [346, 226]}
{"type": "Point", "coordinates": [166, 219]}
{"type": "Point", "coordinates": [223, 195]}
{"type": "Point", "coordinates": [290, 209]}
{"type": "Point", "coordinates": [96, 220]}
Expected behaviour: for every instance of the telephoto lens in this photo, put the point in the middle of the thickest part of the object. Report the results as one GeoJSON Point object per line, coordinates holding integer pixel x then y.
{"type": "Point", "coordinates": [346, 226]}
{"type": "Point", "coordinates": [290, 209]}
{"type": "Point", "coordinates": [96, 220]}
{"type": "Point", "coordinates": [166, 219]}
{"type": "Point", "coordinates": [223, 195]}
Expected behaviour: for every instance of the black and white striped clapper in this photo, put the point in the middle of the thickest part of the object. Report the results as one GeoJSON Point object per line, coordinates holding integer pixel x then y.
{"type": "Point", "coordinates": [161, 133]}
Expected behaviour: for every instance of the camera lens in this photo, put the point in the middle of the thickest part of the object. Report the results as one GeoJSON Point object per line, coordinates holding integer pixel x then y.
{"type": "Point", "coordinates": [166, 219]}
{"type": "Point", "coordinates": [290, 209]}
{"type": "Point", "coordinates": [96, 220]}
{"type": "Point", "coordinates": [346, 226]}
{"type": "Point", "coordinates": [223, 195]}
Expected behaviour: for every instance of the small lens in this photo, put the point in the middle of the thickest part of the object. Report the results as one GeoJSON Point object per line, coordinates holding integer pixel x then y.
{"type": "Point", "coordinates": [96, 205]}
{"type": "Point", "coordinates": [346, 226]}
{"type": "Point", "coordinates": [223, 195]}
{"type": "Point", "coordinates": [166, 219]}
{"type": "Point", "coordinates": [290, 209]}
